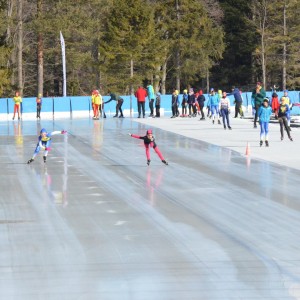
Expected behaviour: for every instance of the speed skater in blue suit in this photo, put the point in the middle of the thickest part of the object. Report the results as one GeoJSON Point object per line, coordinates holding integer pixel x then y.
{"type": "Point", "coordinates": [44, 142]}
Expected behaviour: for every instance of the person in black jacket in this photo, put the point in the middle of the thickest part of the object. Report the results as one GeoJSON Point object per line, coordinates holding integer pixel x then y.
{"type": "Point", "coordinates": [149, 142]}
{"type": "Point", "coordinates": [201, 100]}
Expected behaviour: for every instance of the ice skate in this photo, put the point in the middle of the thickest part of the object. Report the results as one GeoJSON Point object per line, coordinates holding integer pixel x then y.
{"type": "Point", "coordinates": [45, 158]}
{"type": "Point", "coordinates": [30, 161]}
{"type": "Point", "coordinates": [267, 143]}
{"type": "Point", "coordinates": [260, 143]}
{"type": "Point", "coordinates": [164, 162]}
{"type": "Point", "coordinates": [148, 162]}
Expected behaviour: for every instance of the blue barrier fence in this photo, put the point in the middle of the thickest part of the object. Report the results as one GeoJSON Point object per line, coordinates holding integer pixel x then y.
{"type": "Point", "coordinates": [83, 103]}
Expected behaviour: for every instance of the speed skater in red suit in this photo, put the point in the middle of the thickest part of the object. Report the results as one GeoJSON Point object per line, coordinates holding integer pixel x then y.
{"type": "Point", "coordinates": [149, 141]}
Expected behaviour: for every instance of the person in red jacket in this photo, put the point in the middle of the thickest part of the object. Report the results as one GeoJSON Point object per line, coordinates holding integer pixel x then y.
{"type": "Point", "coordinates": [141, 95]}
{"type": "Point", "coordinates": [275, 104]}
{"type": "Point", "coordinates": [149, 142]}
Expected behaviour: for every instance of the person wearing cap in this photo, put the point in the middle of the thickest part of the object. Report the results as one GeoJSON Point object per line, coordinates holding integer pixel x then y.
{"type": "Point", "coordinates": [201, 100]}
{"type": "Point", "coordinates": [184, 103]}
{"type": "Point", "coordinates": [151, 98]}
{"type": "Point", "coordinates": [157, 105]}
{"type": "Point", "coordinates": [214, 106]}
{"type": "Point", "coordinates": [149, 142]}
{"type": "Point", "coordinates": [192, 103]}
{"type": "Point", "coordinates": [275, 104]}
{"type": "Point", "coordinates": [96, 103]}
{"type": "Point", "coordinates": [258, 96]}
{"type": "Point", "coordinates": [286, 100]}
{"type": "Point", "coordinates": [18, 102]}
{"type": "Point", "coordinates": [174, 103]}
{"type": "Point", "coordinates": [44, 142]}
{"type": "Point", "coordinates": [238, 101]}
{"type": "Point", "coordinates": [119, 102]}
{"type": "Point", "coordinates": [283, 113]}
{"type": "Point", "coordinates": [264, 114]}
{"type": "Point", "coordinates": [38, 106]}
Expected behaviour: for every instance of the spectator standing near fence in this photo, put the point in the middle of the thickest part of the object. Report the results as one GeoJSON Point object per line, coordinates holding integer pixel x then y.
{"type": "Point", "coordinates": [285, 99]}
{"type": "Point", "coordinates": [275, 104]}
{"type": "Point", "coordinates": [141, 95]}
{"type": "Point", "coordinates": [96, 102]}
{"type": "Point", "coordinates": [225, 110]}
{"type": "Point", "coordinates": [18, 102]}
{"type": "Point", "coordinates": [119, 102]}
{"type": "Point", "coordinates": [201, 100]}
{"type": "Point", "coordinates": [214, 106]}
{"type": "Point", "coordinates": [38, 106]}
{"type": "Point", "coordinates": [258, 96]}
{"type": "Point", "coordinates": [238, 101]}
{"type": "Point", "coordinates": [157, 105]}
{"type": "Point", "coordinates": [151, 98]}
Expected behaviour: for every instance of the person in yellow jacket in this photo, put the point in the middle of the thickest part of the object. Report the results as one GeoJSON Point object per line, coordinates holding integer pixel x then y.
{"type": "Point", "coordinates": [18, 100]}
{"type": "Point", "coordinates": [285, 99]}
{"type": "Point", "coordinates": [96, 101]}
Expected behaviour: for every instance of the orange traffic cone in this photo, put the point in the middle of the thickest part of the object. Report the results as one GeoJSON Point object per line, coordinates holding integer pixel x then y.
{"type": "Point", "coordinates": [248, 149]}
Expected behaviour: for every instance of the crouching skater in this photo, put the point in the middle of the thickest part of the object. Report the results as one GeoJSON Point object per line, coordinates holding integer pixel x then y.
{"type": "Point", "coordinates": [44, 142]}
{"type": "Point", "coordinates": [149, 142]}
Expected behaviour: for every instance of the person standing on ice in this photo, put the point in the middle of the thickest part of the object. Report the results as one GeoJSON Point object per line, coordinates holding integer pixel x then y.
{"type": "Point", "coordinates": [149, 141]}
{"type": "Point", "coordinates": [44, 142]}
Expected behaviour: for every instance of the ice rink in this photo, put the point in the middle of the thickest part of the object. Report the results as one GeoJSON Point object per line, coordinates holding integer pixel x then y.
{"type": "Point", "coordinates": [95, 222]}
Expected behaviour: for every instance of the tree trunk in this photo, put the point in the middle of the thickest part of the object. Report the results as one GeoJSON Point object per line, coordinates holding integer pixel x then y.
{"type": "Point", "coordinates": [263, 50]}
{"type": "Point", "coordinates": [177, 57]}
{"type": "Point", "coordinates": [20, 47]}
{"type": "Point", "coordinates": [40, 54]}
{"type": "Point", "coordinates": [163, 78]}
{"type": "Point", "coordinates": [207, 81]}
{"type": "Point", "coordinates": [284, 54]}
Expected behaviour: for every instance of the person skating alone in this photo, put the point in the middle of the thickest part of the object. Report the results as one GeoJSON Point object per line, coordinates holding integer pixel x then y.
{"type": "Point", "coordinates": [149, 142]}
{"type": "Point", "coordinates": [44, 142]}
{"type": "Point", "coordinates": [264, 114]}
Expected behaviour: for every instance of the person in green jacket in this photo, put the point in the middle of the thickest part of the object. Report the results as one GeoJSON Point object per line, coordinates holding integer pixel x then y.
{"type": "Point", "coordinates": [258, 96]}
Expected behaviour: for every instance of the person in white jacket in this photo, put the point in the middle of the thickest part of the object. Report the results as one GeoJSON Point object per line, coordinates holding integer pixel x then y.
{"type": "Point", "coordinates": [225, 110]}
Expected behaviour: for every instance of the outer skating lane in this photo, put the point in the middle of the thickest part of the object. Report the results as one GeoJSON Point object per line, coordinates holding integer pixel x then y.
{"type": "Point", "coordinates": [97, 222]}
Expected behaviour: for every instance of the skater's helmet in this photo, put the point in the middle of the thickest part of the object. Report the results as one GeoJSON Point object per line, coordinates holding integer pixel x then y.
{"type": "Point", "coordinates": [43, 130]}
{"type": "Point", "coordinates": [149, 131]}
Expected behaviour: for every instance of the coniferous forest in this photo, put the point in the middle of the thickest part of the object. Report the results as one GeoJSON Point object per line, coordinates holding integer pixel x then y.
{"type": "Point", "coordinates": [120, 44]}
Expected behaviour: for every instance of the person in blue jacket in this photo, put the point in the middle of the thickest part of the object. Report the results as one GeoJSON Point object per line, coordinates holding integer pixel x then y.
{"type": "Point", "coordinates": [151, 98]}
{"type": "Point", "coordinates": [44, 143]}
{"type": "Point", "coordinates": [214, 105]}
{"type": "Point", "coordinates": [264, 114]}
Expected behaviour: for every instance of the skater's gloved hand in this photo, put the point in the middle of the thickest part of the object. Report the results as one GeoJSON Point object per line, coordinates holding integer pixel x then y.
{"type": "Point", "coordinates": [47, 148]}
{"type": "Point", "coordinates": [129, 133]}
{"type": "Point", "coordinates": [63, 131]}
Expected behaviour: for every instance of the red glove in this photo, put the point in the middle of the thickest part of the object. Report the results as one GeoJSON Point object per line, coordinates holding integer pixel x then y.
{"type": "Point", "coordinates": [63, 131]}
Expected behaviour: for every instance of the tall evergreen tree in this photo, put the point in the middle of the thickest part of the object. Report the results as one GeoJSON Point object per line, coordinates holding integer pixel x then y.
{"type": "Point", "coordinates": [125, 48]}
